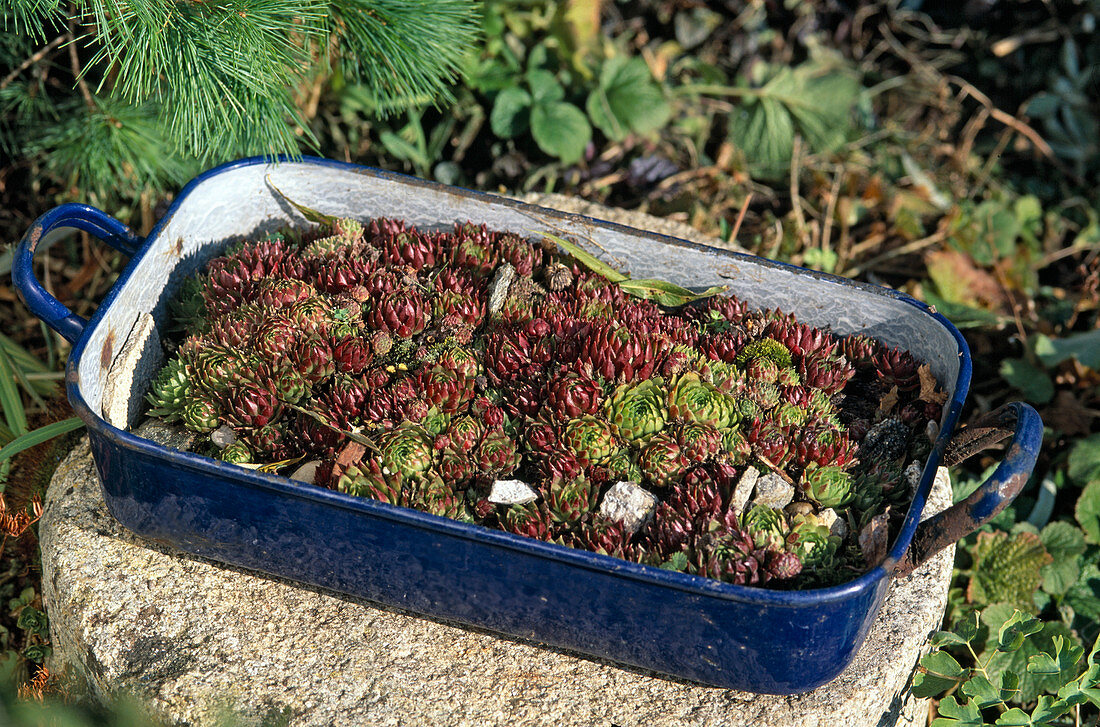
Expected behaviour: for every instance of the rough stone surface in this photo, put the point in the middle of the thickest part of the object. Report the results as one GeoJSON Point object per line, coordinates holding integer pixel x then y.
{"type": "Point", "coordinates": [773, 491]}
{"type": "Point", "coordinates": [195, 640]}
{"type": "Point", "coordinates": [742, 491]}
{"type": "Point", "coordinates": [836, 524]}
{"type": "Point", "coordinates": [223, 436]}
{"type": "Point", "coordinates": [307, 472]}
{"type": "Point", "coordinates": [628, 504]}
{"type": "Point", "coordinates": [498, 287]}
{"type": "Point", "coordinates": [138, 357]}
{"type": "Point", "coordinates": [511, 492]}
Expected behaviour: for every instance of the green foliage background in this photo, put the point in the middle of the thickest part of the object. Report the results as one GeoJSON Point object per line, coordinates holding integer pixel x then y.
{"type": "Point", "coordinates": [949, 152]}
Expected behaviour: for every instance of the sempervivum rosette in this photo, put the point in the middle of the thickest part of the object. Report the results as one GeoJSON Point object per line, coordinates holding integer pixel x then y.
{"type": "Point", "coordinates": [618, 354]}
{"type": "Point", "coordinates": [497, 455]}
{"type": "Point", "coordinates": [407, 449]}
{"type": "Point", "coordinates": [569, 499]}
{"type": "Point", "coordinates": [402, 313]}
{"type": "Point", "coordinates": [691, 399]}
{"type": "Point", "coordinates": [661, 460]}
{"type": "Point", "coordinates": [415, 249]}
{"type": "Point", "coordinates": [590, 439]}
{"type": "Point", "coordinates": [250, 406]}
{"type": "Point", "coordinates": [570, 395]}
{"type": "Point", "coordinates": [638, 411]}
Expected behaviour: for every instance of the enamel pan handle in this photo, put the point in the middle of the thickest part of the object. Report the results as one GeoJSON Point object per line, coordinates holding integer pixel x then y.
{"type": "Point", "coordinates": [81, 217]}
{"type": "Point", "coordinates": [962, 518]}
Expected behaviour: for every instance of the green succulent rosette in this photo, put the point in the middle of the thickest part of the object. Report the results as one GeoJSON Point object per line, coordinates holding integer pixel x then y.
{"type": "Point", "coordinates": [432, 494]}
{"type": "Point", "coordinates": [623, 465]}
{"type": "Point", "coordinates": [830, 486]}
{"type": "Point", "coordinates": [200, 414]}
{"type": "Point", "coordinates": [661, 461]}
{"type": "Point", "coordinates": [590, 439]}
{"type": "Point", "coordinates": [638, 411]}
{"type": "Point", "coordinates": [766, 348]}
{"type": "Point", "coordinates": [170, 390]}
{"type": "Point", "coordinates": [236, 453]}
{"type": "Point", "coordinates": [406, 449]}
{"type": "Point", "coordinates": [790, 415]}
{"type": "Point", "coordinates": [767, 526]}
{"type": "Point", "coordinates": [811, 542]}
{"type": "Point", "coordinates": [692, 399]}
{"type": "Point", "coordinates": [367, 480]}
{"type": "Point", "coordinates": [736, 446]}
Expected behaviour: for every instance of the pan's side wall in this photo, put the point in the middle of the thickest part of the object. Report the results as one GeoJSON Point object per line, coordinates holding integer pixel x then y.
{"type": "Point", "coordinates": [727, 642]}
{"type": "Point", "coordinates": [240, 200]}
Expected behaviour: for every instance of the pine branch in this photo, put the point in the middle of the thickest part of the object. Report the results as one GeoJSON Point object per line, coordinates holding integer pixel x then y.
{"type": "Point", "coordinates": [35, 58]}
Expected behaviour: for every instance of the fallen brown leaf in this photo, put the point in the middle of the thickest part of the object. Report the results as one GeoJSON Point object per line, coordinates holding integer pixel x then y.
{"type": "Point", "coordinates": [888, 401]}
{"type": "Point", "coordinates": [929, 387]}
{"type": "Point", "coordinates": [873, 538]}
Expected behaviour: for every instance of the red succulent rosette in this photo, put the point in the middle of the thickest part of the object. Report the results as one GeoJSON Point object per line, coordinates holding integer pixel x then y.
{"type": "Point", "coordinates": [401, 313]}
{"type": "Point", "coordinates": [570, 394]}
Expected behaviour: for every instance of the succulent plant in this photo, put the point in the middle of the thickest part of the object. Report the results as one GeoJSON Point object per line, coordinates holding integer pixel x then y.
{"type": "Point", "coordinates": [251, 406]}
{"type": "Point", "coordinates": [497, 456]}
{"type": "Point", "coordinates": [699, 442]}
{"type": "Point", "coordinates": [200, 414]}
{"type": "Point", "coordinates": [402, 313]}
{"type": "Point", "coordinates": [407, 449]}
{"type": "Point", "coordinates": [170, 390]}
{"type": "Point", "coordinates": [570, 395]}
{"type": "Point", "coordinates": [638, 411]}
{"type": "Point", "coordinates": [661, 460]}
{"type": "Point", "coordinates": [569, 499]}
{"type": "Point", "coordinates": [827, 485]}
{"type": "Point", "coordinates": [589, 439]}
{"type": "Point", "coordinates": [236, 453]}
{"type": "Point", "coordinates": [305, 341]}
{"type": "Point", "coordinates": [693, 400]}
{"type": "Point", "coordinates": [765, 348]}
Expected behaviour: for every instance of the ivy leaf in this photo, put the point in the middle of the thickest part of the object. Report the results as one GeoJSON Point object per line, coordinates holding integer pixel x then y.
{"type": "Point", "coordinates": [1084, 460]}
{"type": "Point", "coordinates": [560, 129]}
{"type": "Point", "coordinates": [1031, 381]}
{"type": "Point", "coordinates": [1014, 717]}
{"type": "Point", "coordinates": [939, 671]}
{"type": "Point", "coordinates": [953, 714]}
{"type": "Point", "coordinates": [1087, 511]}
{"type": "Point", "coordinates": [1013, 632]}
{"type": "Point", "coordinates": [1065, 543]}
{"type": "Point", "coordinates": [308, 212]}
{"type": "Point", "coordinates": [509, 117]}
{"type": "Point", "coordinates": [1084, 598]}
{"type": "Point", "coordinates": [813, 100]}
{"type": "Point", "coordinates": [544, 86]}
{"type": "Point", "coordinates": [965, 631]}
{"type": "Point", "coordinates": [1006, 568]}
{"type": "Point", "coordinates": [626, 99]}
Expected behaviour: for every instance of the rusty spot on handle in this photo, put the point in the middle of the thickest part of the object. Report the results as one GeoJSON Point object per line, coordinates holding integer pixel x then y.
{"type": "Point", "coordinates": [959, 520]}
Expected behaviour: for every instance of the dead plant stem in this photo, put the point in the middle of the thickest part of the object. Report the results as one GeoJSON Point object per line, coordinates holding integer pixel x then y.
{"type": "Point", "coordinates": [38, 55]}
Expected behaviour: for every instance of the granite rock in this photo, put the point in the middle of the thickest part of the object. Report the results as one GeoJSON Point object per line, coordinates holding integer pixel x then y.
{"type": "Point", "coordinates": [511, 492]}
{"type": "Point", "coordinates": [628, 504]}
{"type": "Point", "coordinates": [773, 491]}
{"type": "Point", "coordinates": [195, 640]}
